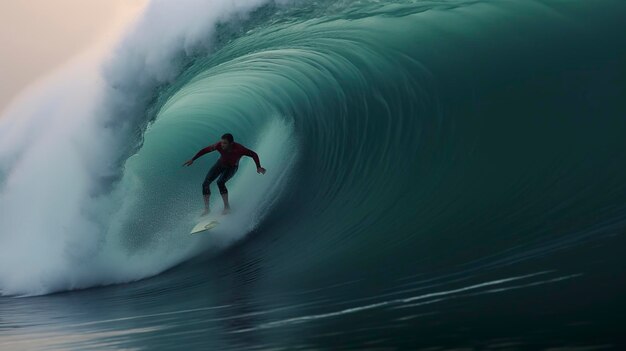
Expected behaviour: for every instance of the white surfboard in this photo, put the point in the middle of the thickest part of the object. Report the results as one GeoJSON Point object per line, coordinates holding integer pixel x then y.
{"type": "Point", "coordinates": [204, 225]}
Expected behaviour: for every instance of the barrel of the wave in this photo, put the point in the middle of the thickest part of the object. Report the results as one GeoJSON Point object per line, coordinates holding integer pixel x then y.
{"type": "Point", "coordinates": [404, 148]}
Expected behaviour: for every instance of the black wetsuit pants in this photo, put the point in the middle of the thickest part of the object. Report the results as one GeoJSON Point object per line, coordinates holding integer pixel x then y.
{"type": "Point", "coordinates": [223, 172]}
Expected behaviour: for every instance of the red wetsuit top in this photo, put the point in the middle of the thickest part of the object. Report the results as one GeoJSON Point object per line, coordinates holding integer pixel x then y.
{"type": "Point", "coordinates": [230, 158]}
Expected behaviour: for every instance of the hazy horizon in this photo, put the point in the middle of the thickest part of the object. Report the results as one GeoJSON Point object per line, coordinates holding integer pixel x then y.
{"type": "Point", "coordinates": [38, 36]}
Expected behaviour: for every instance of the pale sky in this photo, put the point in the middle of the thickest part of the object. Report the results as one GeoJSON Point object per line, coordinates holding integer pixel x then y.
{"type": "Point", "coordinates": [37, 36]}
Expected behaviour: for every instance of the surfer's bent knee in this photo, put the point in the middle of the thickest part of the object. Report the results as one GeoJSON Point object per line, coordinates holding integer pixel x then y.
{"type": "Point", "coordinates": [206, 190]}
{"type": "Point", "coordinates": [222, 187]}
{"type": "Point", "coordinates": [210, 177]}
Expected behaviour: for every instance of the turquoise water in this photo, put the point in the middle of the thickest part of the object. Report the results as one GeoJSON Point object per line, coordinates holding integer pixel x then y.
{"type": "Point", "coordinates": [441, 174]}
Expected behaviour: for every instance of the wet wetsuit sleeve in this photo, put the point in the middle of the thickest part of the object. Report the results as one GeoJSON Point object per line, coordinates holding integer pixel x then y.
{"type": "Point", "coordinates": [254, 156]}
{"type": "Point", "coordinates": [206, 150]}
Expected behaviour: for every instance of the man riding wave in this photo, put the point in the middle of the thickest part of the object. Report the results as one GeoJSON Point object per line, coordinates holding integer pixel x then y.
{"type": "Point", "coordinates": [224, 168]}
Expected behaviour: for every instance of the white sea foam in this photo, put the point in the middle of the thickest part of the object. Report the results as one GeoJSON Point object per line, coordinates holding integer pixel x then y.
{"type": "Point", "coordinates": [62, 148]}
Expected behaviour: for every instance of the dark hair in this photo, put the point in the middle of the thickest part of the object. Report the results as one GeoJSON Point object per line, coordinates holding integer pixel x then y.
{"type": "Point", "coordinates": [228, 137]}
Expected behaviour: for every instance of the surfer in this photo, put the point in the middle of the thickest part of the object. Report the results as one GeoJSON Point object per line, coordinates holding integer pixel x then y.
{"type": "Point", "coordinates": [225, 167]}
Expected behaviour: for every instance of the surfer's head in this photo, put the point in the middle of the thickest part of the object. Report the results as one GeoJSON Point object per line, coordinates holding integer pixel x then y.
{"type": "Point", "coordinates": [226, 140]}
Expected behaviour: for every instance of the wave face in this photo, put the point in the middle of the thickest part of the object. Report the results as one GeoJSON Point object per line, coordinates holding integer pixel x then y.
{"type": "Point", "coordinates": [406, 143]}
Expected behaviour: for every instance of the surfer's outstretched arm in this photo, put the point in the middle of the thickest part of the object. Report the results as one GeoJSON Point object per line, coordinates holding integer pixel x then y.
{"type": "Point", "coordinates": [206, 150]}
{"type": "Point", "coordinates": [255, 157]}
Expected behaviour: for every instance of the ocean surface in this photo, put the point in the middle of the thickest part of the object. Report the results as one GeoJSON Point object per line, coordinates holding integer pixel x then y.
{"type": "Point", "coordinates": [446, 174]}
